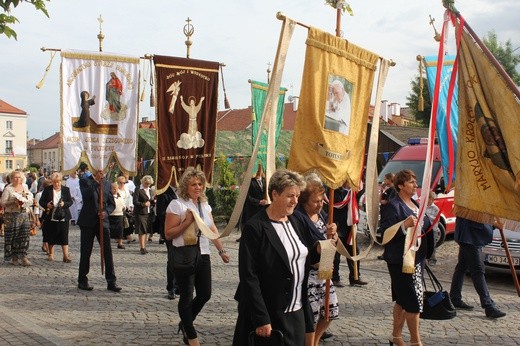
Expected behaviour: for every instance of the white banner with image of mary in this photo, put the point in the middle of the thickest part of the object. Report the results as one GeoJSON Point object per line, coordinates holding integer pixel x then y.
{"type": "Point", "coordinates": [99, 110]}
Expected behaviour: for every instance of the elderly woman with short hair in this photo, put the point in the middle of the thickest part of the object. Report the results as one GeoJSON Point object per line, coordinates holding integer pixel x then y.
{"type": "Point", "coordinates": [310, 212]}
{"type": "Point", "coordinates": [143, 203]}
{"type": "Point", "coordinates": [16, 199]}
{"type": "Point", "coordinates": [56, 228]}
{"type": "Point", "coordinates": [274, 263]}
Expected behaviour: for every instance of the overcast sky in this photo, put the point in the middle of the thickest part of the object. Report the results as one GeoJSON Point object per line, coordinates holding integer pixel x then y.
{"type": "Point", "coordinates": [243, 34]}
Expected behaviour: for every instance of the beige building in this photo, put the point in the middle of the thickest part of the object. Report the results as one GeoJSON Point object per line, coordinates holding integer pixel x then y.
{"type": "Point", "coordinates": [13, 144]}
{"type": "Point", "coordinates": [46, 153]}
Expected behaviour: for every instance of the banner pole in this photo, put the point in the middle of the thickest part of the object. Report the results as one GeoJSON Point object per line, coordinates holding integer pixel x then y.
{"type": "Point", "coordinates": [101, 240]}
{"type": "Point", "coordinates": [509, 258]}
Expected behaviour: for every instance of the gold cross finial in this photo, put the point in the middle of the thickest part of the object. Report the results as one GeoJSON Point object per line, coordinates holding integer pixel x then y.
{"type": "Point", "coordinates": [100, 36]}
{"type": "Point", "coordinates": [188, 31]}
{"type": "Point", "coordinates": [437, 37]}
{"type": "Point", "coordinates": [100, 20]}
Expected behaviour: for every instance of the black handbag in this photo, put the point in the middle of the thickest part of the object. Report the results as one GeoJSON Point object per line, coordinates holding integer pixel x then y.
{"type": "Point", "coordinates": [437, 303]}
{"type": "Point", "coordinates": [59, 212]}
{"type": "Point", "coordinates": [276, 339]}
{"type": "Point", "coordinates": [185, 259]}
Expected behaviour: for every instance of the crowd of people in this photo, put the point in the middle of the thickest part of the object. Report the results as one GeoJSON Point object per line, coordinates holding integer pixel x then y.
{"type": "Point", "coordinates": [281, 289]}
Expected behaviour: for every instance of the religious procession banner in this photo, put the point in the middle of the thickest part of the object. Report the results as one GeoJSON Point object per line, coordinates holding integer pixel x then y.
{"type": "Point", "coordinates": [186, 113]}
{"type": "Point", "coordinates": [488, 156]}
{"type": "Point", "coordinates": [446, 130]}
{"type": "Point", "coordinates": [331, 123]}
{"type": "Point", "coordinates": [258, 96]}
{"type": "Point", "coordinates": [99, 110]}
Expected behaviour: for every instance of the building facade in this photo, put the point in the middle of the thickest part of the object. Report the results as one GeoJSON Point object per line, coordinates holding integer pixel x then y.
{"type": "Point", "coordinates": [46, 153]}
{"type": "Point", "coordinates": [13, 144]}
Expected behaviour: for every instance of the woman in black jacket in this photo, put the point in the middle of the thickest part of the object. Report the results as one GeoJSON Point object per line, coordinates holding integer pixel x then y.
{"type": "Point", "coordinates": [274, 263]}
{"type": "Point", "coordinates": [57, 226]}
{"type": "Point", "coordinates": [400, 215]}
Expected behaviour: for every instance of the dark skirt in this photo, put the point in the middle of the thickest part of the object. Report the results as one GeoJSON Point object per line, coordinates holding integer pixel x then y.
{"type": "Point", "coordinates": [407, 289]}
{"type": "Point", "coordinates": [142, 226]}
{"type": "Point", "coordinates": [116, 226]}
{"type": "Point", "coordinates": [57, 232]}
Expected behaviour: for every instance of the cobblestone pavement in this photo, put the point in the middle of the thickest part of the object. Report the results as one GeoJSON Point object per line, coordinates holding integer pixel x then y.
{"type": "Point", "coordinates": [41, 305]}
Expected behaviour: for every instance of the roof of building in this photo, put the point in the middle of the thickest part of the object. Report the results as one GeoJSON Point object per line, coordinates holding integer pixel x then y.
{"type": "Point", "coordinates": [9, 109]}
{"type": "Point", "coordinates": [240, 119]}
{"type": "Point", "coordinates": [51, 142]}
{"type": "Point", "coordinates": [401, 134]}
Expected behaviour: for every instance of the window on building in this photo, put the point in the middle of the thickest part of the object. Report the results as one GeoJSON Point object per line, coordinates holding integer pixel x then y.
{"type": "Point", "coordinates": [8, 164]}
{"type": "Point", "coordinates": [9, 124]}
{"type": "Point", "coordinates": [54, 155]}
{"type": "Point", "coordinates": [45, 156]}
{"type": "Point", "coordinates": [9, 146]}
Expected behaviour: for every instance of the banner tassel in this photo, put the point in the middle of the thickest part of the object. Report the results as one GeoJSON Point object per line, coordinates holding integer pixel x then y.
{"type": "Point", "coordinates": [40, 83]}
{"type": "Point", "coordinates": [420, 106]}
{"type": "Point", "coordinates": [226, 101]}
{"type": "Point", "coordinates": [152, 96]}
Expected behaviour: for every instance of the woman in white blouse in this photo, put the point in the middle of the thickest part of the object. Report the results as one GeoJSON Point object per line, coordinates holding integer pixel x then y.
{"type": "Point", "coordinates": [178, 218]}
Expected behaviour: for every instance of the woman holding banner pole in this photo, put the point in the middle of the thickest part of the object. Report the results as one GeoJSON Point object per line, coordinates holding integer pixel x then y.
{"type": "Point", "coordinates": [398, 217]}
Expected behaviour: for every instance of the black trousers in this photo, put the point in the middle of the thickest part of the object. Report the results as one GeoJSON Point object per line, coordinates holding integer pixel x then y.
{"type": "Point", "coordinates": [189, 306]}
{"type": "Point", "coordinates": [87, 242]}
{"type": "Point", "coordinates": [171, 285]}
{"type": "Point", "coordinates": [350, 263]}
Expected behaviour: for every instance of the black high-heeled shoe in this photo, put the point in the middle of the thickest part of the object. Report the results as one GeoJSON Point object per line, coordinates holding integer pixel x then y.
{"type": "Point", "coordinates": [184, 336]}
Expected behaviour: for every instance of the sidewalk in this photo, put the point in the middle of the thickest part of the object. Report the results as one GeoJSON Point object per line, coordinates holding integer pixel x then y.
{"type": "Point", "coordinates": [41, 305]}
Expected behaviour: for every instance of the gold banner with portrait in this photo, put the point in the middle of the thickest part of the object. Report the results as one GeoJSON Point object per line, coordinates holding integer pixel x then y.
{"type": "Point", "coordinates": [331, 123]}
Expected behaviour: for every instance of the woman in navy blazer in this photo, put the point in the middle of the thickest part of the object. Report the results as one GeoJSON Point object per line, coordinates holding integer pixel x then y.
{"type": "Point", "coordinates": [406, 288]}
{"type": "Point", "coordinates": [57, 230]}
{"type": "Point", "coordinates": [273, 268]}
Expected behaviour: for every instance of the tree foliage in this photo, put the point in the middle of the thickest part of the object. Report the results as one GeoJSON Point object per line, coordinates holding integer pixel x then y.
{"type": "Point", "coordinates": [225, 192]}
{"type": "Point", "coordinates": [7, 19]}
{"type": "Point", "coordinates": [412, 99]}
{"type": "Point", "coordinates": [504, 53]}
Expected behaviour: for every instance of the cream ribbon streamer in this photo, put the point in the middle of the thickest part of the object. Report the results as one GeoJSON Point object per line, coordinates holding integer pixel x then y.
{"type": "Point", "coordinates": [327, 260]}
{"type": "Point", "coordinates": [201, 225]}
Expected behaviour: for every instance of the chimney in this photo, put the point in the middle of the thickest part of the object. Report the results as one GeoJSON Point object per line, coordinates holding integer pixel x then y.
{"type": "Point", "coordinates": [384, 110]}
{"type": "Point", "coordinates": [294, 100]}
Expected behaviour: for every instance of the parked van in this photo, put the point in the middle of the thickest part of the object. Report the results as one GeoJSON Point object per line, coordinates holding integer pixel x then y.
{"type": "Point", "coordinates": [413, 157]}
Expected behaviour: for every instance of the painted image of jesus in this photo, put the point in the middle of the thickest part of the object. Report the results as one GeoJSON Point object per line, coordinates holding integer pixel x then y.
{"type": "Point", "coordinates": [337, 106]}
{"type": "Point", "coordinates": [192, 111]}
{"type": "Point", "coordinates": [193, 138]}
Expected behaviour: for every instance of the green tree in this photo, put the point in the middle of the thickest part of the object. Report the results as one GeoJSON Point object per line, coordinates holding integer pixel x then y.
{"type": "Point", "coordinates": [504, 53]}
{"type": "Point", "coordinates": [412, 99]}
{"type": "Point", "coordinates": [7, 19]}
{"type": "Point", "coordinates": [225, 193]}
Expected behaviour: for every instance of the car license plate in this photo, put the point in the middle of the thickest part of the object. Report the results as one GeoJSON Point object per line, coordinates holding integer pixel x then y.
{"type": "Point", "coordinates": [502, 260]}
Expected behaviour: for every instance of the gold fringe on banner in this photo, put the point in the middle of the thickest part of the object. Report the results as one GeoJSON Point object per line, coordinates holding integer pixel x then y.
{"type": "Point", "coordinates": [98, 56]}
